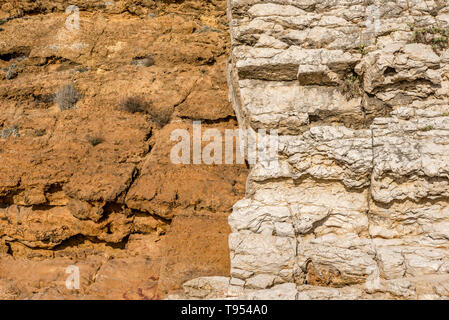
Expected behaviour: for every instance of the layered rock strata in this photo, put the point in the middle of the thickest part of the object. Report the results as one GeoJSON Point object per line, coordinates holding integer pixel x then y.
{"type": "Point", "coordinates": [358, 208]}
{"type": "Point", "coordinates": [93, 186]}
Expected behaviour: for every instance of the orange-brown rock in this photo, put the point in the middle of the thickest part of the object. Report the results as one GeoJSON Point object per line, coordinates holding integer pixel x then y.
{"type": "Point", "coordinates": [93, 186]}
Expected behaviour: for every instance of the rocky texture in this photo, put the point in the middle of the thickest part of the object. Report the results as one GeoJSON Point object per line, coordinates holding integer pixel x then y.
{"type": "Point", "coordinates": [358, 208]}
{"type": "Point", "coordinates": [93, 186]}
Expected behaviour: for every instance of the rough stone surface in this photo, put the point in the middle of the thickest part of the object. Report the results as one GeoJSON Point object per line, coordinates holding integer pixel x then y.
{"type": "Point", "coordinates": [358, 207]}
{"type": "Point", "coordinates": [117, 209]}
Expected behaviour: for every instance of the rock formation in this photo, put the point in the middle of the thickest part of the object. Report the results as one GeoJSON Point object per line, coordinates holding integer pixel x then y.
{"type": "Point", "coordinates": [93, 186]}
{"type": "Point", "coordinates": [358, 208]}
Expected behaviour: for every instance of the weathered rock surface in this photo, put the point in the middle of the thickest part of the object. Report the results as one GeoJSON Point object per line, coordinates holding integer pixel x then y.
{"type": "Point", "coordinates": [93, 186]}
{"type": "Point", "coordinates": [358, 207]}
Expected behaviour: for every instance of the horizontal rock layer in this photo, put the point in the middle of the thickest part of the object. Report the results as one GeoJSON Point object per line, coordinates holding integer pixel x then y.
{"type": "Point", "coordinates": [358, 207]}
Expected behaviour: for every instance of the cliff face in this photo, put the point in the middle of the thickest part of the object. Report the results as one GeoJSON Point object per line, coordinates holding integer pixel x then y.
{"type": "Point", "coordinates": [359, 92]}
{"type": "Point", "coordinates": [93, 186]}
{"type": "Point", "coordinates": [358, 207]}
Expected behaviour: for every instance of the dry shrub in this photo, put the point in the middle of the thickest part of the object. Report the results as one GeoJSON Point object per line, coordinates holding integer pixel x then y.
{"type": "Point", "coordinates": [95, 140]}
{"type": "Point", "coordinates": [12, 72]}
{"type": "Point", "coordinates": [133, 104]}
{"type": "Point", "coordinates": [67, 97]}
{"type": "Point", "coordinates": [11, 131]}
{"type": "Point", "coordinates": [352, 86]}
{"type": "Point", "coordinates": [160, 116]}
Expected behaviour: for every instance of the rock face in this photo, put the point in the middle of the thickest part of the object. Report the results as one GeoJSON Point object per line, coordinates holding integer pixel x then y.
{"type": "Point", "coordinates": [93, 185]}
{"type": "Point", "coordinates": [358, 208]}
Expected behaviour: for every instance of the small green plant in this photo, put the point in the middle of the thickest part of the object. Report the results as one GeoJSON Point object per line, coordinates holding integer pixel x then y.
{"type": "Point", "coordinates": [445, 114]}
{"type": "Point", "coordinates": [95, 140]}
{"type": "Point", "coordinates": [133, 104]}
{"type": "Point", "coordinates": [362, 49]}
{"type": "Point", "coordinates": [11, 131]}
{"type": "Point", "coordinates": [67, 97]}
{"type": "Point", "coordinates": [437, 37]}
{"type": "Point", "coordinates": [352, 86]}
{"type": "Point", "coordinates": [427, 128]}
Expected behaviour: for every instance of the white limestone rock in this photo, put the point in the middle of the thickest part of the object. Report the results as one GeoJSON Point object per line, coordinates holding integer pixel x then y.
{"type": "Point", "coordinates": [357, 207]}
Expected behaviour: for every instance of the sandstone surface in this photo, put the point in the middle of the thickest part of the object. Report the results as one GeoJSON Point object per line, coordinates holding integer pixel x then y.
{"type": "Point", "coordinates": [93, 186]}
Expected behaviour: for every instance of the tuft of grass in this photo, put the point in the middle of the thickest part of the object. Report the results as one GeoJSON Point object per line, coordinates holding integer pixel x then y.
{"type": "Point", "coordinates": [437, 37]}
{"type": "Point", "coordinates": [427, 128]}
{"type": "Point", "coordinates": [67, 97]}
{"type": "Point", "coordinates": [445, 114]}
{"type": "Point", "coordinates": [95, 140]}
{"type": "Point", "coordinates": [160, 116]}
{"type": "Point", "coordinates": [11, 131]}
{"type": "Point", "coordinates": [133, 104]}
{"type": "Point", "coordinates": [352, 86]}
{"type": "Point", "coordinates": [12, 72]}
{"type": "Point", "coordinates": [362, 49]}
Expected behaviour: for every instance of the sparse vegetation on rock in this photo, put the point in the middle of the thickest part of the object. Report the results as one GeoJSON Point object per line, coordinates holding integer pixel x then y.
{"type": "Point", "coordinates": [67, 97]}
{"type": "Point", "coordinates": [81, 69]}
{"type": "Point", "coordinates": [362, 49]}
{"type": "Point", "coordinates": [79, 185]}
{"type": "Point", "coordinates": [133, 104]}
{"type": "Point", "coordinates": [44, 99]}
{"type": "Point", "coordinates": [95, 140]}
{"type": "Point", "coordinates": [160, 116]}
{"type": "Point", "coordinates": [10, 131]}
{"type": "Point", "coordinates": [427, 128]}
{"type": "Point", "coordinates": [12, 72]}
{"type": "Point", "coordinates": [136, 104]}
{"type": "Point", "coordinates": [437, 37]}
{"type": "Point", "coordinates": [352, 86]}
